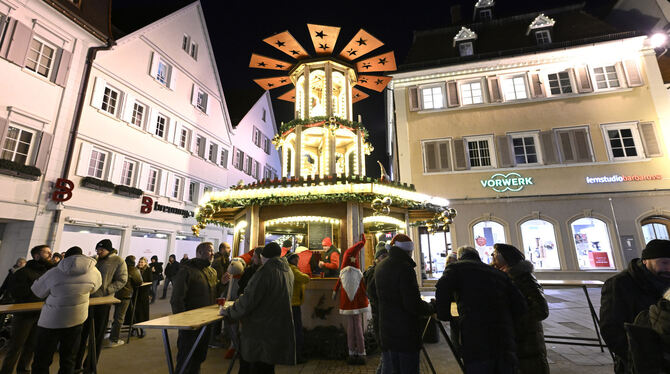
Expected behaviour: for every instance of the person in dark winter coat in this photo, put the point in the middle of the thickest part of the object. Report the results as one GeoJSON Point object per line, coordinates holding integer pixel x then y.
{"type": "Point", "coordinates": [171, 270]}
{"type": "Point", "coordinates": [194, 287]}
{"type": "Point", "coordinates": [156, 276]}
{"type": "Point", "coordinates": [143, 293]}
{"type": "Point", "coordinates": [649, 339]}
{"type": "Point", "coordinates": [24, 325]}
{"type": "Point", "coordinates": [489, 306]}
{"type": "Point", "coordinates": [220, 264]}
{"type": "Point", "coordinates": [125, 295]}
{"type": "Point", "coordinates": [264, 311]}
{"type": "Point", "coordinates": [531, 350]}
{"type": "Point", "coordinates": [400, 308]}
{"type": "Point", "coordinates": [5, 297]}
{"type": "Point", "coordinates": [381, 253]}
{"type": "Point", "coordinates": [628, 293]}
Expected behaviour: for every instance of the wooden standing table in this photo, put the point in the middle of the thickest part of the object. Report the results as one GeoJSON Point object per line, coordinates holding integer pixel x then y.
{"type": "Point", "coordinates": [190, 320]}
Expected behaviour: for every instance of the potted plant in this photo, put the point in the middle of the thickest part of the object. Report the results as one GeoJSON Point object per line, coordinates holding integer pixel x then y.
{"type": "Point", "coordinates": [97, 184]}
{"type": "Point", "coordinates": [128, 191]}
{"type": "Point", "coordinates": [19, 170]}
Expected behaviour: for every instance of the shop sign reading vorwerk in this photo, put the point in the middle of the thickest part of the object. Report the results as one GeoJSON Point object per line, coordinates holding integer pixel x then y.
{"type": "Point", "coordinates": [506, 182]}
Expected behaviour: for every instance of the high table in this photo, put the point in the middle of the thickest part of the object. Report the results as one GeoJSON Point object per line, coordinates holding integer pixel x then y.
{"type": "Point", "coordinates": [190, 320]}
{"type": "Point", "coordinates": [37, 306]}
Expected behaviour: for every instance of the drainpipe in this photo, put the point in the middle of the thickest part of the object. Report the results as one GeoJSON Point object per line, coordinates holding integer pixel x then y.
{"type": "Point", "coordinates": [88, 67]}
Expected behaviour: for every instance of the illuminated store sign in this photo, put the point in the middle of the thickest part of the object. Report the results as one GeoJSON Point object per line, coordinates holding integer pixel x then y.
{"type": "Point", "coordinates": [616, 178]}
{"type": "Point", "coordinates": [506, 182]}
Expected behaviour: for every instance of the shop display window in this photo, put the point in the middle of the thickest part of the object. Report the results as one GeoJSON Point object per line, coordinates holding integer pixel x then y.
{"type": "Point", "coordinates": [592, 243]}
{"type": "Point", "coordinates": [539, 244]}
{"type": "Point", "coordinates": [87, 237]}
{"type": "Point", "coordinates": [486, 234]}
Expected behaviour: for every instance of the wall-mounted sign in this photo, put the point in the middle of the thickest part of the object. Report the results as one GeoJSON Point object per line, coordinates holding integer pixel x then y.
{"type": "Point", "coordinates": [62, 190]}
{"type": "Point", "coordinates": [616, 178]}
{"type": "Point", "coordinates": [507, 182]}
{"type": "Point", "coordinates": [148, 205]}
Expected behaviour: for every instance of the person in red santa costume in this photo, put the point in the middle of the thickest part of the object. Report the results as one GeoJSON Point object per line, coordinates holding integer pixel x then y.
{"type": "Point", "coordinates": [353, 301]}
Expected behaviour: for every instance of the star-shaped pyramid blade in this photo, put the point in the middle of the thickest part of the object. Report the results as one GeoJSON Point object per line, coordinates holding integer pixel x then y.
{"type": "Point", "coordinates": [286, 43]}
{"type": "Point", "coordinates": [373, 82]}
{"type": "Point", "coordinates": [270, 83]}
{"type": "Point", "coordinates": [323, 38]}
{"type": "Point", "coordinates": [361, 44]}
{"type": "Point", "coordinates": [383, 62]}
{"type": "Point", "coordinates": [288, 96]}
{"type": "Point", "coordinates": [358, 95]}
{"type": "Point", "coordinates": [262, 62]}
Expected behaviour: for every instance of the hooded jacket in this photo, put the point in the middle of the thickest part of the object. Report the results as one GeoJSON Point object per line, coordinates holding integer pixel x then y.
{"type": "Point", "coordinates": [24, 278]}
{"type": "Point", "coordinates": [67, 288]}
{"type": "Point", "coordinates": [194, 286]}
{"type": "Point", "coordinates": [264, 310]}
{"type": "Point", "coordinates": [300, 280]}
{"type": "Point", "coordinates": [114, 274]}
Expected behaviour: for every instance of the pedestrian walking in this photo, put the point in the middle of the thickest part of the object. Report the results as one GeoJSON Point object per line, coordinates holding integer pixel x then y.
{"type": "Point", "coordinates": [330, 259]}
{"type": "Point", "coordinates": [156, 276]}
{"type": "Point", "coordinates": [67, 288]}
{"type": "Point", "coordinates": [531, 351]}
{"type": "Point", "coordinates": [171, 269]}
{"type": "Point", "coordinates": [630, 292]}
{"type": "Point", "coordinates": [371, 288]}
{"type": "Point", "coordinates": [125, 296]}
{"type": "Point", "coordinates": [194, 287]}
{"type": "Point", "coordinates": [400, 308]}
{"type": "Point", "coordinates": [264, 311]}
{"type": "Point", "coordinates": [489, 307]}
{"type": "Point", "coordinates": [300, 280]}
{"type": "Point", "coordinates": [24, 325]}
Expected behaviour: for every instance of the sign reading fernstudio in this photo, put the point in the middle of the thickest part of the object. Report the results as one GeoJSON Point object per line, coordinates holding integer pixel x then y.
{"type": "Point", "coordinates": [507, 182]}
{"type": "Point", "coordinates": [148, 205]}
{"type": "Point", "coordinates": [616, 178]}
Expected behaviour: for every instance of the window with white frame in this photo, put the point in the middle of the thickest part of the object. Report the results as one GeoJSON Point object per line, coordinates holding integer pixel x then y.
{"type": "Point", "coordinates": [110, 100]}
{"type": "Point", "coordinates": [139, 111]}
{"type": "Point", "coordinates": [247, 164]}
{"type": "Point", "coordinates": [542, 37]}
{"type": "Point", "coordinates": [266, 144]}
{"type": "Point", "coordinates": [200, 146]}
{"type": "Point", "coordinates": [96, 164]}
{"type": "Point", "coordinates": [152, 182]}
{"type": "Point", "coordinates": [471, 93]}
{"type": "Point", "coordinates": [40, 57]}
{"type": "Point", "coordinates": [184, 137]}
{"type": "Point", "coordinates": [433, 97]}
{"type": "Point", "coordinates": [161, 125]}
{"type": "Point", "coordinates": [255, 165]}
{"type": "Point", "coordinates": [524, 146]}
{"type": "Point", "coordinates": [128, 172]}
{"type": "Point", "coordinates": [623, 141]}
{"type": "Point", "coordinates": [479, 151]}
{"type": "Point", "coordinates": [185, 42]}
{"type": "Point", "coordinates": [238, 159]}
{"type": "Point", "coordinates": [223, 160]}
{"type": "Point", "coordinates": [18, 144]}
{"type": "Point", "coordinates": [163, 72]}
{"type": "Point", "coordinates": [606, 77]}
{"type": "Point", "coordinates": [514, 88]}
{"type": "Point", "coordinates": [192, 188]}
{"type": "Point", "coordinates": [559, 83]}
{"type": "Point", "coordinates": [213, 152]}
{"type": "Point", "coordinates": [177, 187]}
{"type": "Point", "coordinates": [465, 49]}
{"type": "Point", "coordinates": [207, 189]}
{"type": "Point", "coordinates": [201, 101]}
{"type": "Point", "coordinates": [256, 137]}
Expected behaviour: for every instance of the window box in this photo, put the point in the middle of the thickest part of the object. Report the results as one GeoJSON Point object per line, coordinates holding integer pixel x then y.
{"type": "Point", "coordinates": [97, 184]}
{"type": "Point", "coordinates": [15, 169]}
{"type": "Point", "coordinates": [127, 191]}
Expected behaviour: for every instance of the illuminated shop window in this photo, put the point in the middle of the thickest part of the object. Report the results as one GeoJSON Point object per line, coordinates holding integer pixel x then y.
{"type": "Point", "coordinates": [317, 93]}
{"type": "Point", "coordinates": [655, 228]}
{"type": "Point", "coordinates": [486, 234]}
{"type": "Point", "coordinates": [592, 243]}
{"type": "Point", "coordinates": [539, 244]}
{"type": "Point", "coordinates": [434, 250]}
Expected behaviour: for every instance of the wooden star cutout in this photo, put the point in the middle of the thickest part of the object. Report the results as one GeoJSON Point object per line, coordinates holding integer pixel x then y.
{"type": "Point", "coordinates": [382, 61]}
{"type": "Point", "coordinates": [352, 52]}
{"type": "Point", "coordinates": [323, 46]}
{"type": "Point", "coordinates": [320, 34]}
{"type": "Point", "coordinates": [279, 66]}
{"type": "Point", "coordinates": [367, 66]}
{"type": "Point", "coordinates": [283, 81]}
{"type": "Point", "coordinates": [279, 43]}
{"type": "Point", "coordinates": [363, 80]}
{"type": "Point", "coordinates": [379, 81]}
{"type": "Point", "coordinates": [294, 52]}
{"type": "Point", "coordinates": [361, 41]}
{"type": "Point", "coordinates": [261, 63]}
{"type": "Point", "coordinates": [270, 85]}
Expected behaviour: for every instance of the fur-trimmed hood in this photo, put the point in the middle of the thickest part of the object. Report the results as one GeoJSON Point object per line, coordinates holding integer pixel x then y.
{"type": "Point", "coordinates": [523, 267]}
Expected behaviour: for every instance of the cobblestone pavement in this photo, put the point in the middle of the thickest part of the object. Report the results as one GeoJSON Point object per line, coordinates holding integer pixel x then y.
{"type": "Point", "coordinates": [568, 316]}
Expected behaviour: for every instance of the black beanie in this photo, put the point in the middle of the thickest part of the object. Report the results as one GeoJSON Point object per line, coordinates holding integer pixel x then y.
{"type": "Point", "coordinates": [270, 250]}
{"type": "Point", "coordinates": [287, 243]}
{"type": "Point", "coordinates": [106, 244]}
{"type": "Point", "coordinates": [656, 248]}
{"type": "Point", "coordinates": [292, 257]}
{"type": "Point", "coordinates": [73, 251]}
{"type": "Point", "coordinates": [510, 253]}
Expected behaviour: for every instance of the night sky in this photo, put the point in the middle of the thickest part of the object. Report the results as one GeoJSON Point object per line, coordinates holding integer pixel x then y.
{"type": "Point", "coordinates": [237, 29]}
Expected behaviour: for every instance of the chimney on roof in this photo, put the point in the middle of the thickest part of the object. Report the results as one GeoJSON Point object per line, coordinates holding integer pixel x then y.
{"type": "Point", "coordinates": [456, 17]}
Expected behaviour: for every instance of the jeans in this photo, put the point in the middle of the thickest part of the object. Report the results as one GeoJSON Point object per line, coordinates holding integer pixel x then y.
{"type": "Point", "coordinates": [100, 313]}
{"type": "Point", "coordinates": [21, 344]}
{"type": "Point", "coordinates": [185, 341]}
{"type": "Point", "coordinates": [120, 310]}
{"type": "Point", "coordinates": [168, 280]}
{"type": "Point", "coordinates": [400, 362]}
{"type": "Point", "coordinates": [66, 339]}
{"type": "Point", "coordinates": [154, 289]}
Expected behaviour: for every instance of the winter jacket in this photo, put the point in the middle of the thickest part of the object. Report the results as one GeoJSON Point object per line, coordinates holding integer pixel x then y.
{"type": "Point", "coordinates": [134, 281]}
{"type": "Point", "coordinates": [156, 274]}
{"type": "Point", "coordinates": [489, 306]}
{"type": "Point", "coordinates": [331, 266]}
{"type": "Point", "coordinates": [300, 280]}
{"type": "Point", "coordinates": [530, 347]}
{"type": "Point", "coordinates": [114, 274]}
{"type": "Point", "coordinates": [649, 340]}
{"type": "Point", "coordinates": [249, 272]}
{"type": "Point", "coordinates": [264, 310]}
{"type": "Point", "coordinates": [220, 264]}
{"type": "Point", "coordinates": [624, 296]}
{"type": "Point", "coordinates": [304, 258]}
{"type": "Point", "coordinates": [142, 309]}
{"type": "Point", "coordinates": [400, 304]}
{"type": "Point", "coordinates": [371, 289]}
{"type": "Point", "coordinates": [24, 278]}
{"type": "Point", "coordinates": [67, 289]}
{"type": "Point", "coordinates": [171, 269]}
{"type": "Point", "coordinates": [194, 286]}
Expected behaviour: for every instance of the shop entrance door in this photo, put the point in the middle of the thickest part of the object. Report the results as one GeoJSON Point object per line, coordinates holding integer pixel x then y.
{"type": "Point", "coordinates": [434, 250]}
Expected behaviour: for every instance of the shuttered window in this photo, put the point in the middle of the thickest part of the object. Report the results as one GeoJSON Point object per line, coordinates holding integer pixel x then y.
{"type": "Point", "coordinates": [623, 141]}
{"type": "Point", "coordinates": [437, 156]}
{"type": "Point", "coordinates": [606, 77]}
{"type": "Point", "coordinates": [525, 149]}
{"type": "Point", "coordinates": [514, 88]}
{"type": "Point", "coordinates": [471, 93]}
{"type": "Point", "coordinates": [480, 152]}
{"type": "Point", "coordinates": [433, 97]}
{"type": "Point", "coordinates": [574, 145]}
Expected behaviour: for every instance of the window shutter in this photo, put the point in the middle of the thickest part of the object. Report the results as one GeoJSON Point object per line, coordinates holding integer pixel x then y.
{"type": "Point", "coordinates": [194, 142]}
{"type": "Point", "coordinates": [177, 133]}
{"type": "Point", "coordinates": [649, 139]}
{"type": "Point", "coordinates": [194, 95]}
{"type": "Point", "coordinates": [505, 157]}
{"type": "Point", "coordinates": [171, 130]}
{"type": "Point", "coordinates": [494, 90]}
{"type": "Point", "coordinates": [128, 106]}
{"type": "Point", "coordinates": [98, 92]}
{"type": "Point", "coordinates": [583, 79]}
{"type": "Point", "coordinates": [43, 151]}
{"type": "Point", "coordinates": [203, 147]}
{"type": "Point", "coordinates": [208, 105]}
{"type": "Point", "coordinates": [444, 156]}
{"type": "Point", "coordinates": [431, 160]}
{"type": "Point", "coordinates": [63, 68]}
{"type": "Point", "coordinates": [153, 117]}
{"type": "Point", "coordinates": [153, 68]}
{"type": "Point", "coordinates": [633, 76]}
{"type": "Point", "coordinates": [20, 42]}
{"type": "Point", "coordinates": [162, 186]}
{"type": "Point", "coordinates": [459, 155]}
{"type": "Point", "coordinates": [452, 94]}
{"type": "Point", "coordinates": [413, 93]}
{"type": "Point", "coordinates": [567, 153]}
{"type": "Point", "coordinates": [536, 86]}
{"type": "Point", "coordinates": [144, 175]}
{"type": "Point", "coordinates": [117, 168]}
{"type": "Point", "coordinates": [84, 159]}
{"type": "Point", "coordinates": [582, 148]}
{"type": "Point", "coordinates": [3, 130]}
{"type": "Point", "coordinates": [173, 78]}
{"type": "Point", "coordinates": [548, 148]}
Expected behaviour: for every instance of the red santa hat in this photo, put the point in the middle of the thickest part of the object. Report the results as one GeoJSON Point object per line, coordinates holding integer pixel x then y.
{"type": "Point", "coordinates": [350, 257]}
{"type": "Point", "coordinates": [403, 242]}
{"type": "Point", "coordinates": [326, 242]}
